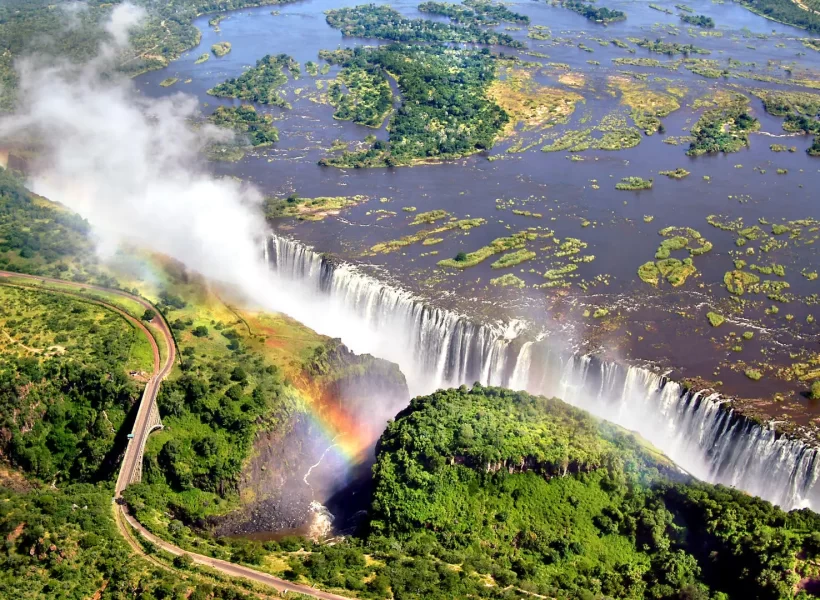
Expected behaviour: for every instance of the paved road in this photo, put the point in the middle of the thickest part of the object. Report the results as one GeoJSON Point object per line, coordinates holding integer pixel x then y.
{"type": "Point", "coordinates": [140, 432]}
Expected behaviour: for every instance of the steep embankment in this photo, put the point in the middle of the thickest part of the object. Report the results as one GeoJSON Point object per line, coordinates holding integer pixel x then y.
{"type": "Point", "coordinates": [307, 458]}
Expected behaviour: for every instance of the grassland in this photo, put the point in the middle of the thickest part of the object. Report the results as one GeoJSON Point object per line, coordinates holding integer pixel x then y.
{"type": "Point", "coordinates": [646, 105]}
{"type": "Point", "coordinates": [528, 103]}
{"type": "Point", "coordinates": [425, 235]}
{"type": "Point", "coordinates": [470, 259]}
{"type": "Point", "coordinates": [310, 209]}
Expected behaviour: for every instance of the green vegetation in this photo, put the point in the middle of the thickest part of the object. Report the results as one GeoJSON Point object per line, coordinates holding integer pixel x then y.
{"type": "Point", "coordinates": [507, 280]}
{"type": "Point", "coordinates": [513, 258]}
{"type": "Point", "coordinates": [262, 83]}
{"type": "Point", "coordinates": [528, 494]}
{"type": "Point", "coordinates": [599, 14]}
{"type": "Point", "coordinates": [53, 28]}
{"type": "Point", "coordinates": [441, 116]}
{"type": "Point", "coordinates": [670, 48]}
{"type": "Point", "coordinates": [474, 12]}
{"type": "Point", "coordinates": [41, 238]}
{"type": "Point", "coordinates": [221, 49]}
{"type": "Point", "coordinates": [169, 81]}
{"type": "Point", "coordinates": [202, 58]}
{"type": "Point", "coordinates": [786, 11]}
{"type": "Point", "coordinates": [737, 281]}
{"type": "Point", "coordinates": [753, 374]}
{"type": "Point", "coordinates": [615, 135]}
{"type": "Point", "coordinates": [384, 22]}
{"type": "Point", "coordinates": [246, 121]}
{"type": "Point", "coordinates": [814, 394]}
{"type": "Point", "coordinates": [64, 544]}
{"type": "Point", "coordinates": [678, 173]}
{"type": "Point", "coordinates": [647, 105]}
{"type": "Point", "coordinates": [429, 217]}
{"type": "Point", "coordinates": [661, 9]}
{"type": "Point", "coordinates": [498, 245]}
{"type": "Point", "coordinates": [698, 20]}
{"type": "Point", "coordinates": [530, 104]}
{"type": "Point", "coordinates": [800, 110]}
{"type": "Point", "coordinates": [634, 183]}
{"type": "Point", "coordinates": [309, 209]}
{"type": "Point", "coordinates": [673, 270]}
{"type": "Point", "coordinates": [64, 388]}
{"type": "Point", "coordinates": [724, 128]}
{"type": "Point", "coordinates": [365, 98]}
{"type": "Point", "coordinates": [425, 235]}
{"type": "Point", "coordinates": [715, 319]}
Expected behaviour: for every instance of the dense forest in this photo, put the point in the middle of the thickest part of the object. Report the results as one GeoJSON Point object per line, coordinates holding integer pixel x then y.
{"type": "Point", "coordinates": [36, 237]}
{"type": "Point", "coordinates": [248, 123]}
{"type": "Point", "coordinates": [698, 20]}
{"type": "Point", "coordinates": [75, 32]}
{"type": "Point", "coordinates": [445, 111]}
{"type": "Point", "coordinates": [560, 503]}
{"type": "Point", "coordinates": [474, 12]}
{"type": "Point", "coordinates": [786, 11]}
{"type": "Point", "coordinates": [60, 413]}
{"type": "Point", "coordinates": [361, 94]}
{"type": "Point", "coordinates": [64, 544]}
{"type": "Point", "coordinates": [594, 13]}
{"type": "Point", "coordinates": [383, 22]}
{"type": "Point", "coordinates": [489, 493]}
{"type": "Point", "coordinates": [262, 83]}
{"type": "Point", "coordinates": [724, 128]}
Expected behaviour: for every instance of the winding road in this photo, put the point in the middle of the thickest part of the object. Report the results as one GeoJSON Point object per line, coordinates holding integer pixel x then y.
{"type": "Point", "coordinates": [142, 427]}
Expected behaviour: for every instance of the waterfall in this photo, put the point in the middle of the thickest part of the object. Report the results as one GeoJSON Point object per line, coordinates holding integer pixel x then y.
{"type": "Point", "coordinates": [437, 348]}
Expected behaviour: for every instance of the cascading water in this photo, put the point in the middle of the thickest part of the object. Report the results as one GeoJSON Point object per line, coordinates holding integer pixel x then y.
{"type": "Point", "coordinates": [437, 348]}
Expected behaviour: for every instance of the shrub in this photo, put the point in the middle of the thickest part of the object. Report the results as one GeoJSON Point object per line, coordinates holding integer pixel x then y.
{"type": "Point", "coordinates": [715, 319]}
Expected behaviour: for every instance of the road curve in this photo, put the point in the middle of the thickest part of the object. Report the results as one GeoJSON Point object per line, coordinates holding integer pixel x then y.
{"type": "Point", "coordinates": [140, 432]}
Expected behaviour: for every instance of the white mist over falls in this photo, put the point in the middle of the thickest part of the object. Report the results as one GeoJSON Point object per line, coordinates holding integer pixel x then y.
{"type": "Point", "coordinates": [131, 165]}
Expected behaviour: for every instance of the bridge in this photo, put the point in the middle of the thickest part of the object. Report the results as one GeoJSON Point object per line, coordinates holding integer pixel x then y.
{"type": "Point", "coordinates": [146, 421]}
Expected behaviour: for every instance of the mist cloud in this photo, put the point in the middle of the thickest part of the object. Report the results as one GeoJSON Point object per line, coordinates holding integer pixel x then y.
{"type": "Point", "coordinates": [132, 166]}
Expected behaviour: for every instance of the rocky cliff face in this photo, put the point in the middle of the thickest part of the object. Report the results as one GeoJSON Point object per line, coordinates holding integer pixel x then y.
{"type": "Point", "coordinates": [315, 451]}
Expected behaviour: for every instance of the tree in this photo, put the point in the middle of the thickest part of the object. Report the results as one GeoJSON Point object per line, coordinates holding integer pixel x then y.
{"type": "Point", "coordinates": [461, 257]}
{"type": "Point", "coordinates": [148, 315]}
{"type": "Point", "coordinates": [200, 331]}
{"type": "Point", "coordinates": [183, 561]}
{"type": "Point", "coordinates": [815, 390]}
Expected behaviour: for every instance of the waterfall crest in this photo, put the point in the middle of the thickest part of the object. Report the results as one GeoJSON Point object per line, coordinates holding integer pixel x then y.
{"type": "Point", "coordinates": [437, 348]}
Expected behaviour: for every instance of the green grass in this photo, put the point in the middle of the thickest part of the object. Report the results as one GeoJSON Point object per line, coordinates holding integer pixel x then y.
{"type": "Point", "coordinates": [497, 246]}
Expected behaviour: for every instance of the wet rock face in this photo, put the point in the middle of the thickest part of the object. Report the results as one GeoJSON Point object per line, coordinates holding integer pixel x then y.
{"type": "Point", "coordinates": [304, 461]}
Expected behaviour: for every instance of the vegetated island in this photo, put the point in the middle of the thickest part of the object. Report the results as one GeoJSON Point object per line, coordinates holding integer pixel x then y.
{"type": "Point", "coordinates": [383, 22]}
{"type": "Point", "coordinates": [593, 13]}
{"type": "Point", "coordinates": [262, 82]}
{"type": "Point", "coordinates": [786, 11]}
{"type": "Point", "coordinates": [433, 103]}
{"type": "Point", "coordinates": [724, 128]}
{"type": "Point", "coordinates": [162, 36]}
{"type": "Point", "coordinates": [220, 49]}
{"type": "Point", "coordinates": [698, 21]}
{"type": "Point", "coordinates": [253, 129]}
{"type": "Point", "coordinates": [474, 12]}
